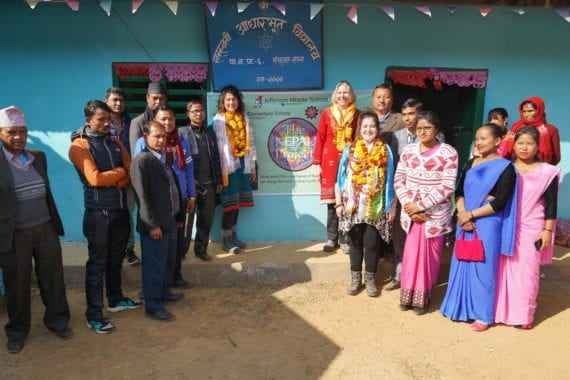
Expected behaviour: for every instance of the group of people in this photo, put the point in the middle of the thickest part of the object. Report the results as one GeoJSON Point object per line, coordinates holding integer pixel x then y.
{"type": "Point", "coordinates": [387, 178]}
{"type": "Point", "coordinates": [173, 174]}
{"type": "Point", "coordinates": [391, 183]}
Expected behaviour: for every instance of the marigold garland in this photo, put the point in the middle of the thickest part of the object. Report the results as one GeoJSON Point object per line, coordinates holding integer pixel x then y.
{"type": "Point", "coordinates": [367, 166]}
{"type": "Point", "coordinates": [342, 137]}
{"type": "Point", "coordinates": [237, 133]}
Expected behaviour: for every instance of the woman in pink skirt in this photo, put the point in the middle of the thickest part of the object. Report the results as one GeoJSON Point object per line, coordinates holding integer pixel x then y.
{"type": "Point", "coordinates": [519, 275]}
{"type": "Point", "coordinates": [424, 183]}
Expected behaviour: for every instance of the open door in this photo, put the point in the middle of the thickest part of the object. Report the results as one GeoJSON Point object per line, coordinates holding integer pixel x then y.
{"type": "Point", "coordinates": [457, 95]}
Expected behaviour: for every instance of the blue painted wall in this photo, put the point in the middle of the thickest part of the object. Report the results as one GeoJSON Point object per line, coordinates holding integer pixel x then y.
{"type": "Point", "coordinates": [53, 60]}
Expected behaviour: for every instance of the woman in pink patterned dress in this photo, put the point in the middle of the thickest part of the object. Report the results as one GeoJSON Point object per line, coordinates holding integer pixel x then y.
{"type": "Point", "coordinates": [519, 275]}
{"type": "Point", "coordinates": [424, 183]}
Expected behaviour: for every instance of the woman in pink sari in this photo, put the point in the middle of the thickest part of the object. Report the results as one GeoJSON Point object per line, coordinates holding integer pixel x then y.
{"type": "Point", "coordinates": [424, 183]}
{"type": "Point", "coordinates": [519, 275]}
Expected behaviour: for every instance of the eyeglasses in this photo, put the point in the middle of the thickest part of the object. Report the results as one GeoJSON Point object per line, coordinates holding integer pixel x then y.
{"type": "Point", "coordinates": [427, 129]}
{"type": "Point", "coordinates": [196, 111]}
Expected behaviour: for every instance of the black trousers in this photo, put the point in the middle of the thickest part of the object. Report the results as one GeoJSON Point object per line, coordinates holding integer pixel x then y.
{"type": "Point", "coordinates": [107, 233]}
{"type": "Point", "coordinates": [364, 242]}
{"type": "Point", "coordinates": [204, 214]}
{"type": "Point", "coordinates": [42, 244]}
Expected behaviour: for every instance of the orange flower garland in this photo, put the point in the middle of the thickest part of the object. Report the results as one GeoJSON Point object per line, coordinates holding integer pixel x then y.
{"type": "Point", "coordinates": [363, 163]}
{"type": "Point", "coordinates": [237, 133]}
{"type": "Point", "coordinates": [342, 137]}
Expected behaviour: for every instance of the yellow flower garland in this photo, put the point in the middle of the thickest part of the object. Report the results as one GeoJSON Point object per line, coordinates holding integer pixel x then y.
{"type": "Point", "coordinates": [342, 137]}
{"type": "Point", "coordinates": [237, 133]}
{"type": "Point", "coordinates": [363, 164]}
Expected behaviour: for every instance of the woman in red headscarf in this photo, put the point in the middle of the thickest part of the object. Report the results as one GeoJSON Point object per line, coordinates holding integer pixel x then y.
{"type": "Point", "coordinates": [532, 114]}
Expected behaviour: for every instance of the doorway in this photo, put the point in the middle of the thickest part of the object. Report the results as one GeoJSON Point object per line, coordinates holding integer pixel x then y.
{"type": "Point", "coordinates": [456, 95]}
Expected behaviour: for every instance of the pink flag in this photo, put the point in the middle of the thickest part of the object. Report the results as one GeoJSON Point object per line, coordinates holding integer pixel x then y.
{"type": "Point", "coordinates": [484, 11]}
{"type": "Point", "coordinates": [352, 13]}
{"type": "Point", "coordinates": [135, 5]}
{"type": "Point", "coordinates": [425, 10]}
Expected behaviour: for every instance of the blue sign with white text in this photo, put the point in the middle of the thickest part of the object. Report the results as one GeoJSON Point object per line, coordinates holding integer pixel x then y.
{"type": "Point", "coordinates": [261, 49]}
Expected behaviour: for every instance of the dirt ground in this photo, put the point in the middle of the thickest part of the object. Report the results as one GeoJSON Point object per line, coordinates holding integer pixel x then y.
{"type": "Point", "coordinates": [299, 331]}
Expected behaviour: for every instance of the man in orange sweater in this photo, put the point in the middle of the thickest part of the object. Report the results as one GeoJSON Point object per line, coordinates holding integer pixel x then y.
{"type": "Point", "coordinates": [102, 163]}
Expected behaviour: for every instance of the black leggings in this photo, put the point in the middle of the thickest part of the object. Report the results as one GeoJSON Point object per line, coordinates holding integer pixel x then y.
{"type": "Point", "coordinates": [229, 219]}
{"type": "Point", "coordinates": [364, 241]}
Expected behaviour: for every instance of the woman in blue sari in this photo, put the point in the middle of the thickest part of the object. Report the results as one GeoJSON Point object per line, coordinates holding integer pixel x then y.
{"type": "Point", "coordinates": [485, 200]}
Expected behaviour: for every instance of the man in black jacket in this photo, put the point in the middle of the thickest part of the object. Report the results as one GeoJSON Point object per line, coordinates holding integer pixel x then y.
{"type": "Point", "coordinates": [102, 162]}
{"type": "Point", "coordinates": [208, 176]}
{"type": "Point", "coordinates": [160, 212]}
{"type": "Point", "coordinates": [29, 228]}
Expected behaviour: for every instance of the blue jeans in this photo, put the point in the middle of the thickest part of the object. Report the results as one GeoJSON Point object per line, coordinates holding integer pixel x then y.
{"type": "Point", "coordinates": [158, 260]}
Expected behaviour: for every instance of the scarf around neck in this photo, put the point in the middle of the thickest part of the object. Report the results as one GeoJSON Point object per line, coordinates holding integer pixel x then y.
{"type": "Point", "coordinates": [173, 145]}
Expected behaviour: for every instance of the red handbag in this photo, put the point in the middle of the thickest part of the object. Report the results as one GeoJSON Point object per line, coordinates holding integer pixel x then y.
{"type": "Point", "coordinates": [469, 250]}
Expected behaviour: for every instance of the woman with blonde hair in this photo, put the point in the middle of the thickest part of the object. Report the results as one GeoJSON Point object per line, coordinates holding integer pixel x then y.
{"type": "Point", "coordinates": [336, 131]}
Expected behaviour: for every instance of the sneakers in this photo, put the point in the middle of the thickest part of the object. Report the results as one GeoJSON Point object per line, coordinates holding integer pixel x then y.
{"type": "Point", "coordinates": [392, 285]}
{"type": "Point", "coordinates": [101, 326]}
{"type": "Point", "coordinates": [238, 242]}
{"type": "Point", "coordinates": [124, 304]}
{"type": "Point", "coordinates": [228, 245]}
{"type": "Point", "coordinates": [131, 258]}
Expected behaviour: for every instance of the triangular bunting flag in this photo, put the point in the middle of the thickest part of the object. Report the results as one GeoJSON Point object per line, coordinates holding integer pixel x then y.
{"type": "Point", "coordinates": [172, 5]}
{"type": "Point", "coordinates": [389, 10]}
{"type": "Point", "coordinates": [242, 7]}
{"type": "Point", "coordinates": [451, 9]}
{"type": "Point", "coordinates": [315, 9]}
{"type": "Point", "coordinates": [520, 12]}
{"type": "Point", "coordinates": [73, 4]}
{"type": "Point", "coordinates": [484, 11]}
{"type": "Point", "coordinates": [564, 13]}
{"type": "Point", "coordinates": [280, 7]}
{"type": "Point", "coordinates": [352, 13]}
{"type": "Point", "coordinates": [106, 5]}
{"type": "Point", "coordinates": [212, 5]}
{"type": "Point", "coordinates": [135, 5]}
{"type": "Point", "coordinates": [425, 10]}
{"type": "Point", "coordinates": [32, 3]}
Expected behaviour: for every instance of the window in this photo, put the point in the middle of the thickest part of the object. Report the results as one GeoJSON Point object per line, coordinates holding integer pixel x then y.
{"type": "Point", "coordinates": [182, 81]}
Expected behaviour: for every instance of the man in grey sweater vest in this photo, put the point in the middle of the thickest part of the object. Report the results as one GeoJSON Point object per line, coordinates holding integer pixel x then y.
{"type": "Point", "coordinates": [29, 228]}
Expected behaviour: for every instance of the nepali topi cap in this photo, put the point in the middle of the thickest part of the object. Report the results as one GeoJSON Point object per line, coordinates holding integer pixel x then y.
{"type": "Point", "coordinates": [156, 88]}
{"type": "Point", "coordinates": [11, 117]}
